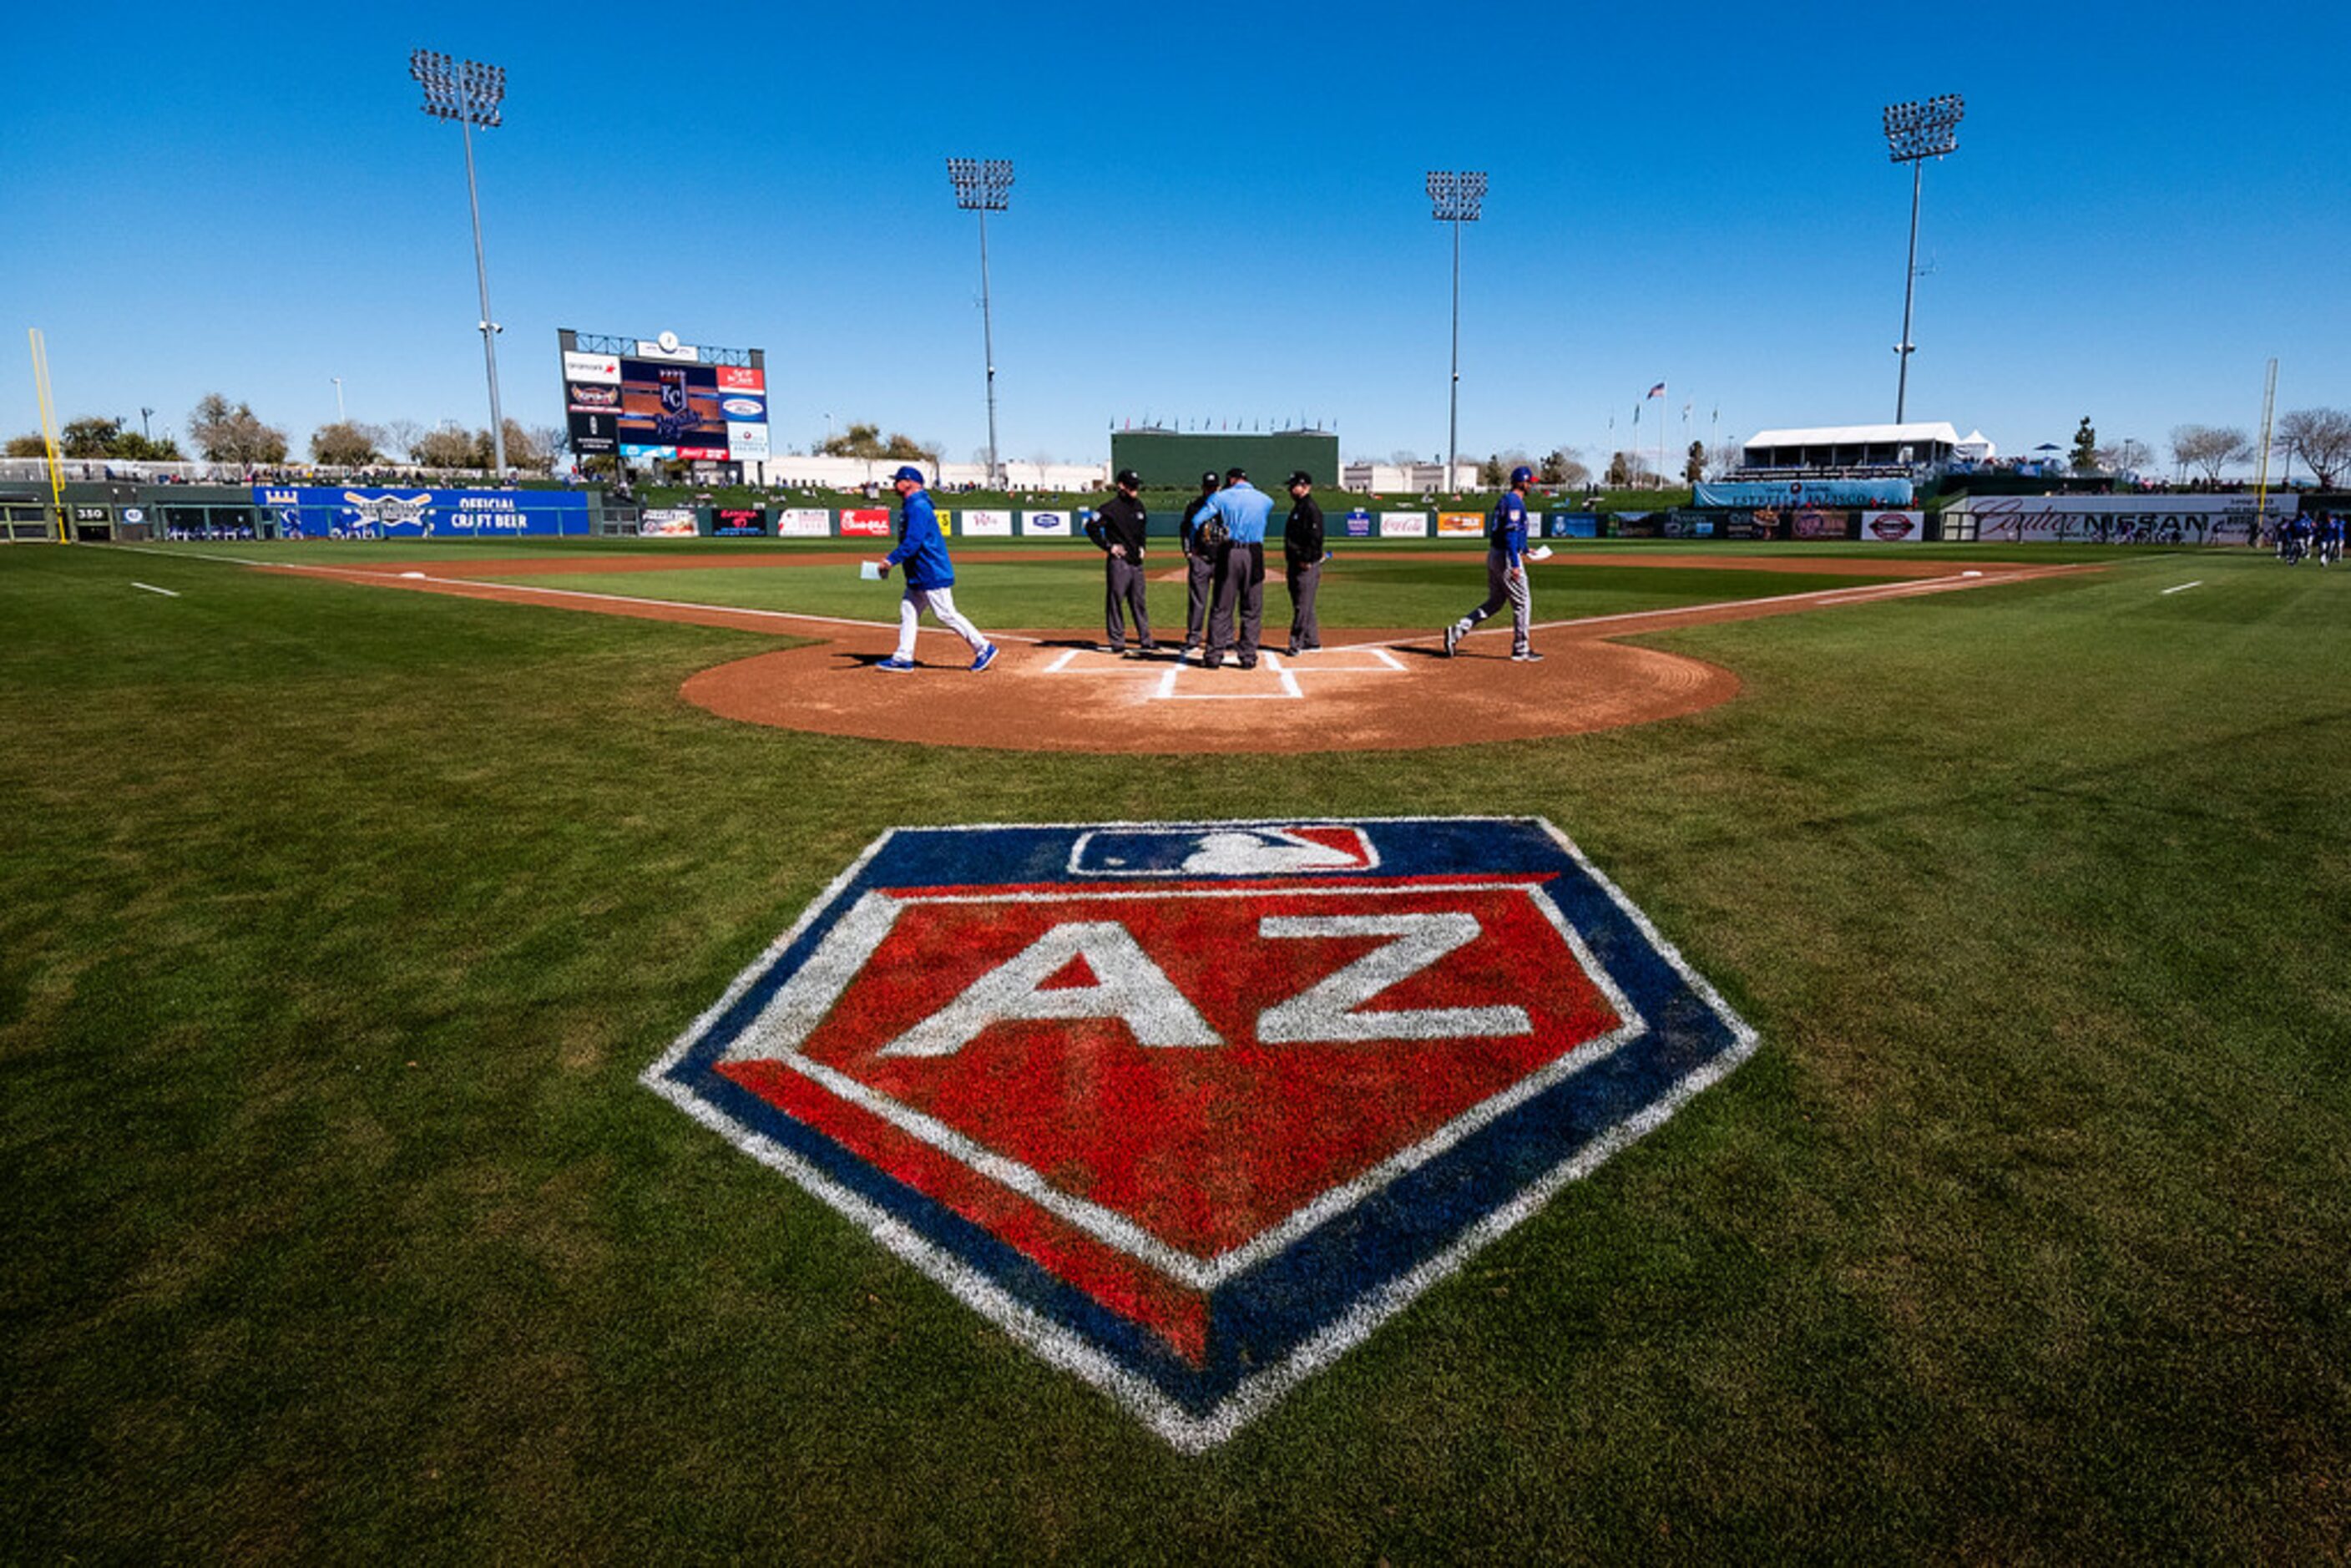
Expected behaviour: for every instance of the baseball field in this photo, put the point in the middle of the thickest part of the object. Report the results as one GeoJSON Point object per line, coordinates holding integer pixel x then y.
{"type": "Point", "coordinates": [350, 892]}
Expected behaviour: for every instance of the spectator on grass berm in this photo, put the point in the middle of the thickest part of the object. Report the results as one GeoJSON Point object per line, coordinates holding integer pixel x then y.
{"type": "Point", "coordinates": [1240, 571]}
{"type": "Point", "coordinates": [1199, 564]}
{"type": "Point", "coordinates": [930, 576]}
{"type": "Point", "coordinates": [1506, 573]}
{"type": "Point", "coordinates": [1117, 530]}
{"type": "Point", "coordinates": [1301, 563]}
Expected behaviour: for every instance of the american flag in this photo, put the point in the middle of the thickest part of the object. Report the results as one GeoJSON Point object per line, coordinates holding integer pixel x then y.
{"type": "Point", "coordinates": [1658, 391]}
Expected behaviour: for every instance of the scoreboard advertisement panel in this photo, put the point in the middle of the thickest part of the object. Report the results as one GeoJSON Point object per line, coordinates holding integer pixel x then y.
{"type": "Point", "coordinates": [665, 400]}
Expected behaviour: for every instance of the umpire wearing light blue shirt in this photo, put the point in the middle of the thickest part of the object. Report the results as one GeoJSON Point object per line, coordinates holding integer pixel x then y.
{"type": "Point", "coordinates": [1240, 569]}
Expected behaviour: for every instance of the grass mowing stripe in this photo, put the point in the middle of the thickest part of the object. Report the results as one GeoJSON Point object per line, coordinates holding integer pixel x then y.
{"type": "Point", "coordinates": [2019, 1237]}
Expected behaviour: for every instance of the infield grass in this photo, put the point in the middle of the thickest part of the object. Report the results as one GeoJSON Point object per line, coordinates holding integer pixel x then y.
{"type": "Point", "coordinates": [336, 925]}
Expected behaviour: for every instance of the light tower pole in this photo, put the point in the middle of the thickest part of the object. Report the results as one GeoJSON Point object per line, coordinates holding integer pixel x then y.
{"type": "Point", "coordinates": [984, 185]}
{"type": "Point", "coordinates": [471, 93]}
{"type": "Point", "coordinates": [1913, 133]}
{"type": "Point", "coordinates": [1454, 197]}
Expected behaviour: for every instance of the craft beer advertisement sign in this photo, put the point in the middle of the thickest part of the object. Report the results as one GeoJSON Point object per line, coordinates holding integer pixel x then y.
{"type": "Point", "coordinates": [1191, 1109]}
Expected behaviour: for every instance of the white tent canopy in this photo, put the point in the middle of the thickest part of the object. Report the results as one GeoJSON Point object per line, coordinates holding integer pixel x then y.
{"type": "Point", "coordinates": [1941, 433]}
{"type": "Point", "coordinates": [1842, 448]}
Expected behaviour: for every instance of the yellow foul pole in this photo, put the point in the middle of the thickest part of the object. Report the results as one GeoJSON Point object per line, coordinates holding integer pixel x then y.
{"type": "Point", "coordinates": [49, 434]}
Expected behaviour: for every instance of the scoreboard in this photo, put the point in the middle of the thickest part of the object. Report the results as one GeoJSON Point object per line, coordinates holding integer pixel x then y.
{"type": "Point", "coordinates": [658, 398]}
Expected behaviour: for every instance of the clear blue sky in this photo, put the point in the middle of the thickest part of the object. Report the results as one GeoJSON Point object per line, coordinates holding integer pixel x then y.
{"type": "Point", "coordinates": [1218, 214]}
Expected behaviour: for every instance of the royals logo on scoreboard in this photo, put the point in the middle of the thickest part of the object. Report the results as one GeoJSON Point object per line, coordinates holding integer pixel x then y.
{"type": "Point", "coordinates": [1190, 1109]}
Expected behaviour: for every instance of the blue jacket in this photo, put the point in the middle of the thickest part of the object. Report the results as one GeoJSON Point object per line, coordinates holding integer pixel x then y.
{"type": "Point", "coordinates": [1245, 508]}
{"type": "Point", "coordinates": [920, 547]}
{"type": "Point", "coordinates": [1508, 531]}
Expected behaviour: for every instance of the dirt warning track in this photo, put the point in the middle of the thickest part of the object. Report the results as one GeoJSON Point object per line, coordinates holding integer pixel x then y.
{"type": "Point", "coordinates": [1055, 691]}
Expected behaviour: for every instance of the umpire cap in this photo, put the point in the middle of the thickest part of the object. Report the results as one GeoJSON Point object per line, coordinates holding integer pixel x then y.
{"type": "Point", "coordinates": [1129, 476]}
{"type": "Point", "coordinates": [1209, 481]}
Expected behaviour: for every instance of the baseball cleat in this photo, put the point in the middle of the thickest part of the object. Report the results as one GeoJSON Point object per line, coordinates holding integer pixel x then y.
{"type": "Point", "coordinates": [1526, 656]}
{"type": "Point", "coordinates": [1452, 637]}
{"type": "Point", "coordinates": [895, 664]}
{"type": "Point", "coordinates": [986, 657]}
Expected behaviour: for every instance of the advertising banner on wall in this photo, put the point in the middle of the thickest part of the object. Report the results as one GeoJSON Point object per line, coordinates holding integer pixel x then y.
{"type": "Point", "coordinates": [667, 523]}
{"type": "Point", "coordinates": [1045, 525]}
{"type": "Point", "coordinates": [743, 401]}
{"type": "Point", "coordinates": [866, 522]}
{"type": "Point", "coordinates": [1572, 526]}
{"type": "Point", "coordinates": [1893, 528]}
{"type": "Point", "coordinates": [319, 512]}
{"type": "Point", "coordinates": [2111, 520]}
{"type": "Point", "coordinates": [739, 522]}
{"type": "Point", "coordinates": [1812, 523]}
{"type": "Point", "coordinates": [1404, 525]}
{"type": "Point", "coordinates": [1359, 523]}
{"type": "Point", "coordinates": [1460, 524]}
{"type": "Point", "coordinates": [592, 403]}
{"type": "Point", "coordinates": [803, 523]}
{"type": "Point", "coordinates": [984, 525]}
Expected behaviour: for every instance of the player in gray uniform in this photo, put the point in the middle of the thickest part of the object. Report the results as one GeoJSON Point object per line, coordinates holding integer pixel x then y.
{"type": "Point", "coordinates": [1199, 565]}
{"type": "Point", "coordinates": [1506, 573]}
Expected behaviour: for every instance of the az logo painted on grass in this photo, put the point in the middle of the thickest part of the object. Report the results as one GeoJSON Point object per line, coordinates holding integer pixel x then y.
{"type": "Point", "coordinates": [1190, 1109]}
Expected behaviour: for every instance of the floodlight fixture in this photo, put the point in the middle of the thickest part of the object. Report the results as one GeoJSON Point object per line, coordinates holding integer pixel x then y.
{"type": "Point", "coordinates": [470, 93]}
{"type": "Point", "coordinates": [1455, 196]}
{"type": "Point", "coordinates": [1928, 128]}
{"type": "Point", "coordinates": [984, 185]}
{"type": "Point", "coordinates": [1915, 132]}
{"type": "Point", "coordinates": [981, 185]}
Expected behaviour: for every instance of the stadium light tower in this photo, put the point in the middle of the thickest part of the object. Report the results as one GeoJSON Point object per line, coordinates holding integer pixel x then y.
{"type": "Point", "coordinates": [984, 185]}
{"type": "Point", "coordinates": [470, 93]}
{"type": "Point", "coordinates": [1913, 133]}
{"type": "Point", "coordinates": [1454, 197]}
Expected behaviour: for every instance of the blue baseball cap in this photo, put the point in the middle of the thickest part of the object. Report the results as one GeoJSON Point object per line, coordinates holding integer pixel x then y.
{"type": "Point", "coordinates": [1522, 475]}
{"type": "Point", "coordinates": [908, 472]}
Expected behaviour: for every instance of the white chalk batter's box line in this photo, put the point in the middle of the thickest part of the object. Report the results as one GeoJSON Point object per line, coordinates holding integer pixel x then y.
{"type": "Point", "coordinates": [1169, 683]}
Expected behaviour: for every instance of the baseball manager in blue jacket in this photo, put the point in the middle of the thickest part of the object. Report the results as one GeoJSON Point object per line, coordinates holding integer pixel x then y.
{"type": "Point", "coordinates": [930, 576]}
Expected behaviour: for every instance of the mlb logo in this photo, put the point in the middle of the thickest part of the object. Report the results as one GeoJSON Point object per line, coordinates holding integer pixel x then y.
{"type": "Point", "coordinates": [1190, 1109]}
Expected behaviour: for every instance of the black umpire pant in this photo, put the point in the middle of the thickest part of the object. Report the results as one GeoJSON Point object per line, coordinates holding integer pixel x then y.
{"type": "Point", "coordinates": [1200, 587]}
{"type": "Point", "coordinates": [1122, 590]}
{"type": "Point", "coordinates": [1240, 584]}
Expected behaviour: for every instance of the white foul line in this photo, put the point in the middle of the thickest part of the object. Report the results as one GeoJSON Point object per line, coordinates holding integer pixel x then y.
{"type": "Point", "coordinates": [152, 588]}
{"type": "Point", "coordinates": [2185, 587]}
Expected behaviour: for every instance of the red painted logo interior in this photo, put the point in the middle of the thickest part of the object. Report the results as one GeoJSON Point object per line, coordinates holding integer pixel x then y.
{"type": "Point", "coordinates": [1204, 1147]}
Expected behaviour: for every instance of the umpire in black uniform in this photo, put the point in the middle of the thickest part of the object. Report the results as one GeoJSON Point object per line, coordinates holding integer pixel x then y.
{"type": "Point", "coordinates": [1117, 528]}
{"type": "Point", "coordinates": [1301, 561]}
{"type": "Point", "coordinates": [1199, 563]}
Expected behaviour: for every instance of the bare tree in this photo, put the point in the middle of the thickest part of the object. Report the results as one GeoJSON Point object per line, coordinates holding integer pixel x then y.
{"type": "Point", "coordinates": [399, 437]}
{"type": "Point", "coordinates": [227, 435]}
{"type": "Point", "coordinates": [524, 449]}
{"type": "Point", "coordinates": [2320, 437]}
{"type": "Point", "coordinates": [1726, 456]}
{"type": "Point", "coordinates": [1563, 468]}
{"type": "Point", "coordinates": [346, 444]}
{"type": "Point", "coordinates": [447, 447]}
{"type": "Point", "coordinates": [2128, 455]}
{"type": "Point", "coordinates": [2211, 447]}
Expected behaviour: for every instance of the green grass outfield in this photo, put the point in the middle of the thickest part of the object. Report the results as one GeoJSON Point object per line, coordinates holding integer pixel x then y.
{"type": "Point", "coordinates": [337, 925]}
